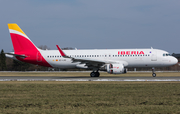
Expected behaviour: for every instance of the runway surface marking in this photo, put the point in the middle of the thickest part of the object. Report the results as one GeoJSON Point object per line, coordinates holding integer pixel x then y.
{"type": "Point", "coordinates": [56, 78]}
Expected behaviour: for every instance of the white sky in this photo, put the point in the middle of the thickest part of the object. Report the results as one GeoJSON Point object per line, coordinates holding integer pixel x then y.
{"type": "Point", "coordinates": [94, 24]}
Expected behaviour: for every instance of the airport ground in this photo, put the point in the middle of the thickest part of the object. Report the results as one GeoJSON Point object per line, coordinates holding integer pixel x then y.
{"type": "Point", "coordinates": [84, 74]}
{"type": "Point", "coordinates": [88, 97]}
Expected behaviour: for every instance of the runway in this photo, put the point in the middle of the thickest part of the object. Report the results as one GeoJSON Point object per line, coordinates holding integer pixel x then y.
{"type": "Point", "coordinates": [110, 78]}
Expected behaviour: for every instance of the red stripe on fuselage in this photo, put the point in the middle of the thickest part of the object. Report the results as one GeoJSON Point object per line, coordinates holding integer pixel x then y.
{"type": "Point", "coordinates": [23, 46]}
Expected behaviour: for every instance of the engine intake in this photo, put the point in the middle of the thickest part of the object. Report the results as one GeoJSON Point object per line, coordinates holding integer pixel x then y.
{"type": "Point", "coordinates": [116, 69]}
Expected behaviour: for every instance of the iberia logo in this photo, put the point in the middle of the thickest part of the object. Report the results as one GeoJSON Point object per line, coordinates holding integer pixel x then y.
{"type": "Point", "coordinates": [130, 52]}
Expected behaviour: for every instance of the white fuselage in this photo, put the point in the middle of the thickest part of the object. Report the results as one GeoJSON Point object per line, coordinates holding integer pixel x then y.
{"type": "Point", "coordinates": [127, 57]}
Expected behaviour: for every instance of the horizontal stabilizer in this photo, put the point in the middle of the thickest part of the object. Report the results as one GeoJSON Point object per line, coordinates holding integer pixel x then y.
{"type": "Point", "coordinates": [16, 55]}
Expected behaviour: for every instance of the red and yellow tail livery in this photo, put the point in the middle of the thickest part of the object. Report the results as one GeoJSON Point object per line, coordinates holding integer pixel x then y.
{"type": "Point", "coordinates": [24, 49]}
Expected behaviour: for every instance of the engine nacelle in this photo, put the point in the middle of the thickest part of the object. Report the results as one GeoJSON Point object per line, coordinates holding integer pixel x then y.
{"type": "Point", "coordinates": [116, 69]}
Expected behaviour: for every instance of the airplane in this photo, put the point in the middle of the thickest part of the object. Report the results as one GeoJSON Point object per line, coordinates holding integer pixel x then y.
{"type": "Point", "coordinates": [113, 61]}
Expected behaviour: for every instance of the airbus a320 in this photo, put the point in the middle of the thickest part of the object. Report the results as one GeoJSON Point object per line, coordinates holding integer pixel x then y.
{"type": "Point", "coordinates": [114, 61]}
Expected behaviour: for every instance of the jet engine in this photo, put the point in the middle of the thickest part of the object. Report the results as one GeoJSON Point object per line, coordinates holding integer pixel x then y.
{"type": "Point", "coordinates": [116, 69]}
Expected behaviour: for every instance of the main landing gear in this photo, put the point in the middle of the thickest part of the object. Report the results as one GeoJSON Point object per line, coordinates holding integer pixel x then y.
{"type": "Point", "coordinates": [153, 72]}
{"type": "Point", "coordinates": [95, 74]}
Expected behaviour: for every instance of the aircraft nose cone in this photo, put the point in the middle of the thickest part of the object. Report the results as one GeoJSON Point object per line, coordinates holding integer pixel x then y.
{"type": "Point", "coordinates": [174, 60]}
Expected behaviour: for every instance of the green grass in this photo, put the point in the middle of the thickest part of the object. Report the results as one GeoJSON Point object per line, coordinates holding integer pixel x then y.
{"type": "Point", "coordinates": [86, 74]}
{"type": "Point", "coordinates": [89, 97]}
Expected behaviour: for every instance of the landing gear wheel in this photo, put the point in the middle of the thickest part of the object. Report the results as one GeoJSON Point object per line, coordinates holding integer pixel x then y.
{"type": "Point", "coordinates": [97, 74]}
{"type": "Point", "coordinates": [94, 74]}
{"type": "Point", "coordinates": [154, 74]}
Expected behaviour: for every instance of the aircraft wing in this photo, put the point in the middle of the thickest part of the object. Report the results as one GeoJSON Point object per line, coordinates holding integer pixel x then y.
{"type": "Point", "coordinates": [90, 63]}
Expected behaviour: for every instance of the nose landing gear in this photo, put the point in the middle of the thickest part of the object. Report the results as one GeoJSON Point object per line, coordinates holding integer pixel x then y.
{"type": "Point", "coordinates": [153, 72]}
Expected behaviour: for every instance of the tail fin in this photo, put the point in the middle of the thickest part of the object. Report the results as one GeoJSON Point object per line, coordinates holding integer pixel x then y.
{"type": "Point", "coordinates": [20, 40]}
{"type": "Point", "coordinates": [24, 49]}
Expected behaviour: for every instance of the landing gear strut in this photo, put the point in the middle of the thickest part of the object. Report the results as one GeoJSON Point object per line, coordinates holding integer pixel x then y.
{"type": "Point", "coordinates": [153, 72]}
{"type": "Point", "coordinates": [95, 74]}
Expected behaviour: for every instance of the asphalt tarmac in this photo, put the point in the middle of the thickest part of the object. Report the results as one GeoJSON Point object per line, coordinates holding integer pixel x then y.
{"type": "Point", "coordinates": [110, 78]}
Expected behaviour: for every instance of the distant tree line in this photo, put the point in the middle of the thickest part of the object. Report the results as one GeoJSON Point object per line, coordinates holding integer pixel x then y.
{"type": "Point", "coordinates": [2, 61]}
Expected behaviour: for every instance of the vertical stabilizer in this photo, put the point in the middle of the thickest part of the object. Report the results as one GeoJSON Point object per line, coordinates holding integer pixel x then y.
{"type": "Point", "coordinates": [24, 49]}
{"type": "Point", "coordinates": [20, 40]}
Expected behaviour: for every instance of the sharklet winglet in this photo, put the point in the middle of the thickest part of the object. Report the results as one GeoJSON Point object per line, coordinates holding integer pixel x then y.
{"type": "Point", "coordinates": [62, 53]}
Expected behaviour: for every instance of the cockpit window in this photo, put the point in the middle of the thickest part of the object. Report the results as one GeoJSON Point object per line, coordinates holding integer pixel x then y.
{"type": "Point", "coordinates": [166, 54]}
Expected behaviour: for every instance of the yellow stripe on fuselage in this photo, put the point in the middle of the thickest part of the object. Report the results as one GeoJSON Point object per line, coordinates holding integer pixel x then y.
{"type": "Point", "coordinates": [14, 26]}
